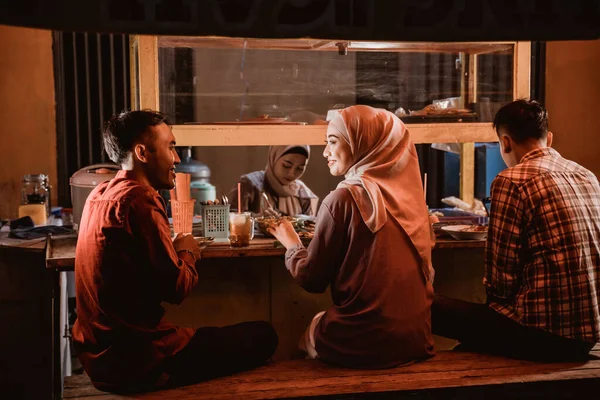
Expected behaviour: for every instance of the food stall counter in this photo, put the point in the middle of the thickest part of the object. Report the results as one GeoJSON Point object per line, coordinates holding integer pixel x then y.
{"type": "Point", "coordinates": [60, 250]}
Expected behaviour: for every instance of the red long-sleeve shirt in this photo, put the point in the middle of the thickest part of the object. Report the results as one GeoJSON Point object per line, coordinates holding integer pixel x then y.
{"type": "Point", "coordinates": [125, 266]}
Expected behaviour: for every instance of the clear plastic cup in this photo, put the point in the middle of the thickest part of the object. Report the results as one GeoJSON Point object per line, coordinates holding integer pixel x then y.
{"type": "Point", "coordinates": [241, 229]}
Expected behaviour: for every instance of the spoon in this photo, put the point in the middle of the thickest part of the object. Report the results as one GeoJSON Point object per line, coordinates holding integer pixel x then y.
{"type": "Point", "coordinates": [269, 203]}
{"type": "Point", "coordinates": [267, 199]}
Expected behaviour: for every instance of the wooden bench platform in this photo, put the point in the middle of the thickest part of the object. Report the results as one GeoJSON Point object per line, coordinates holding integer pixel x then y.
{"type": "Point", "coordinates": [454, 375]}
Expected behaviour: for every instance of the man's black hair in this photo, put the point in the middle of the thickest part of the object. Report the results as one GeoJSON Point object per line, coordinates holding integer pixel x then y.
{"type": "Point", "coordinates": [522, 120]}
{"type": "Point", "coordinates": [124, 130]}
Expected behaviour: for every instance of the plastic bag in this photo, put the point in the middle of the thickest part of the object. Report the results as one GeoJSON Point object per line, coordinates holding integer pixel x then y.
{"type": "Point", "coordinates": [476, 207]}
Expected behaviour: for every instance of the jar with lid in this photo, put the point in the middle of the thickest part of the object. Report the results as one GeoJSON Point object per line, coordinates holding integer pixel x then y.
{"type": "Point", "coordinates": [35, 189]}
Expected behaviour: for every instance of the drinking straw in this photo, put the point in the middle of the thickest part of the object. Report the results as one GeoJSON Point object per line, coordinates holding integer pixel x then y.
{"type": "Point", "coordinates": [425, 186]}
{"type": "Point", "coordinates": [240, 197]}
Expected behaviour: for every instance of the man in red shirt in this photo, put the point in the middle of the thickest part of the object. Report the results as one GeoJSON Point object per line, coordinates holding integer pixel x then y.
{"type": "Point", "coordinates": [126, 264]}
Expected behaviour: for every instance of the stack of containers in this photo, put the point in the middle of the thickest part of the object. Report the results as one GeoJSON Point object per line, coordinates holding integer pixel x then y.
{"type": "Point", "coordinates": [182, 205]}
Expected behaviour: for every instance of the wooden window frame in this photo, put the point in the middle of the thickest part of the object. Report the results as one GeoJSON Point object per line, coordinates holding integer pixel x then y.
{"type": "Point", "coordinates": [145, 94]}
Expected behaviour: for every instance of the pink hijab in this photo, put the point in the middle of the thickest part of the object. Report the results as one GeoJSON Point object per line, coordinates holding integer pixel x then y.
{"type": "Point", "coordinates": [386, 166]}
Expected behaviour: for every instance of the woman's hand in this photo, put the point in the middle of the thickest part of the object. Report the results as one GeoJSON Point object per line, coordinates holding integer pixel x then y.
{"type": "Point", "coordinates": [285, 233]}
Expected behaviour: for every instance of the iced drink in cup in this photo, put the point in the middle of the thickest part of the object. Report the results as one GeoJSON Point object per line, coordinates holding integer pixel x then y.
{"type": "Point", "coordinates": [241, 229]}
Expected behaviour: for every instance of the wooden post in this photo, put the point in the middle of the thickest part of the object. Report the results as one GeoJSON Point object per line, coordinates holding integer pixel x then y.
{"type": "Point", "coordinates": [467, 150]}
{"type": "Point", "coordinates": [467, 172]}
{"type": "Point", "coordinates": [144, 67]}
{"type": "Point", "coordinates": [472, 91]}
{"type": "Point", "coordinates": [522, 70]}
{"type": "Point", "coordinates": [464, 79]}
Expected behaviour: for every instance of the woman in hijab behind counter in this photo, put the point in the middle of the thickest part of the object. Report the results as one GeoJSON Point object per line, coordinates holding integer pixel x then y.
{"type": "Point", "coordinates": [285, 193]}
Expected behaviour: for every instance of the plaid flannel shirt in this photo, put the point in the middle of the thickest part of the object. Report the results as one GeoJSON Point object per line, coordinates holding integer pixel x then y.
{"type": "Point", "coordinates": [542, 257]}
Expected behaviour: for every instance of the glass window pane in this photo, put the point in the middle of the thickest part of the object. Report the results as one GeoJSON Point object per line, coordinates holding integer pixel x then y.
{"type": "Point", "coordinates": [204, 80]}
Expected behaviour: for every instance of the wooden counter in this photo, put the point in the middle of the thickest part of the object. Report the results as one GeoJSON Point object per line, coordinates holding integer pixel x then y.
{"type": "Point", "coordinates": [252, 283]}
{"type": "Point", "coordinates": [33, 245]}
{"type": "Point", "coordinates": [61, 249]}
{"type": "Point", "coordinates": [30, 346]}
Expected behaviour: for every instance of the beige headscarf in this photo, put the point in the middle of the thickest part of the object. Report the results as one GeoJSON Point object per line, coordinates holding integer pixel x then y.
{"type": "Point", "coordinates": [385, 164]}
{"type": "Point", "coordinates": [288, 194]}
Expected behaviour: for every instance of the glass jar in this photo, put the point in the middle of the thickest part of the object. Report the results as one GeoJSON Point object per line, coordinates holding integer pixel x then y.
{"type": "Point", "coordinates": [35, 189]}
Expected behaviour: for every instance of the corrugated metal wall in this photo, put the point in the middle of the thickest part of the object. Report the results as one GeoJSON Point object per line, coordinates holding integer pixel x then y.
{"type": "Point", "coordinates": [92, 83]}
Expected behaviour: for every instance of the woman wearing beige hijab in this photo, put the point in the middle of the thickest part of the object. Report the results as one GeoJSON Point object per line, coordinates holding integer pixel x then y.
{"type": "Point", "coordinates": [372, 246]}
{"type": "Point", "coordinates": [280, 182]}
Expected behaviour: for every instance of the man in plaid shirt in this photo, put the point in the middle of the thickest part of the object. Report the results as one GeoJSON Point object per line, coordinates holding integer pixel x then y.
{"type": "Point", "coordinates": [542, 258]}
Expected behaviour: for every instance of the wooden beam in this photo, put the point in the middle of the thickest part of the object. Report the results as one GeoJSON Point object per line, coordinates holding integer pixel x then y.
{"type": "Point", "coordinates": [266, 135]}
{"type": "Point", "coordinates": [315, 44]}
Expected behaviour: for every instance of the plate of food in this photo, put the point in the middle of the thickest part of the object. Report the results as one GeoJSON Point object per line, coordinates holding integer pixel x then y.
{"type": "Point", "coordinates": [260, 120]}
{"type": "Point", "coordinates": [305, 238]}
{"type": "Point", "coordinates": [265, 223]}
{"type": "Point", "coordinates": [265, 119]}
{"type": "Point", "coordinates": [204, 241]}
{"type": "Point", "coordinates": [466, 232]}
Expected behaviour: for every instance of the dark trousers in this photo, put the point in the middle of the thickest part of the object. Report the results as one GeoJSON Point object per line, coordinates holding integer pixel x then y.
{"type": "Point", "coordinates": [479, 328]}
{"type": "Point", "coordinates": [214, 352]}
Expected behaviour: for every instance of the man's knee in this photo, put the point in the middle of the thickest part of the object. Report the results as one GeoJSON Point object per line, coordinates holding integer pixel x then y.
{"type": "Point", "coordinates": [271, 339]}
{"type": "Point", "coordinates": [265, 337]}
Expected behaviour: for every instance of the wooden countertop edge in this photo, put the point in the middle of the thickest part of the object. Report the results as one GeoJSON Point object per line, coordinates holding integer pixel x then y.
{"type": "Point", "coordinates": [65, 261]}
{"type": "Point", "coordinates": [457, 244]}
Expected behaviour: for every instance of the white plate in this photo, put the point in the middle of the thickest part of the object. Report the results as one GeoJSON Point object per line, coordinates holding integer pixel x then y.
{"type": "Point", "coordinates": [456, 232]}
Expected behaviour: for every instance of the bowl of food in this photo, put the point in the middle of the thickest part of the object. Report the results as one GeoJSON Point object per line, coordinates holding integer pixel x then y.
{"type": "Point", "coordinates": [466, 232]}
